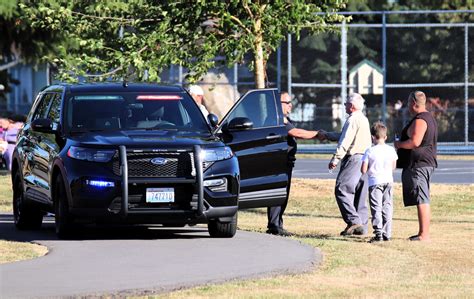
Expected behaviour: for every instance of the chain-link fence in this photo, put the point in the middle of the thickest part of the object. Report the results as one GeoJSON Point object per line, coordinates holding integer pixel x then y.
{"type": "Point", "coordinates": [384, 56]}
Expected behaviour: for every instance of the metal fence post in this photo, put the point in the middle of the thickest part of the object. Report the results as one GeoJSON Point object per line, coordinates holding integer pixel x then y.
{"type": "Point", "coordinates": [466, 85]}
{"type": "Point", "coordinates": [289, 65]}
{"type": "Point", "coordinates": [343, 68]}
{"type": "Point", "coordinates": [171, 74]}
{"type": "Point", "coordinates": [236, 81]}
{"type": "Point", "coordinates": [384, 66]}
{"type": "Point", "coordinates": [279, 69]}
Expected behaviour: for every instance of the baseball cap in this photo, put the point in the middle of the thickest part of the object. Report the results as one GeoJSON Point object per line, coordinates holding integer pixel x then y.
{"type": "Point", "coordinates": [196, 89]}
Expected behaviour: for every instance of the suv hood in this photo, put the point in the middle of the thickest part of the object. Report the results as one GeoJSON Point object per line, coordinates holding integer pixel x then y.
{"type": "Point", "coordinates": [143, 138]}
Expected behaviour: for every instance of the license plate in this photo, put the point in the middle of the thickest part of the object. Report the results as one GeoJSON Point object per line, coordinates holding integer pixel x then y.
{"type": "Point", "coordinates": [159, 195]}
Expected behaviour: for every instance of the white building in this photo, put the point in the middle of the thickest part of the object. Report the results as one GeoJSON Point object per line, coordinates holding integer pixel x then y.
{"type": "Point", "coordinates": [366, 78]}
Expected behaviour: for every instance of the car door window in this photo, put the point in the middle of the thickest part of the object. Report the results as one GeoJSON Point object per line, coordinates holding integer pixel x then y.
{"type": "Point", "coordinates": [55, 110]}
{"type": "Point", "coordinates": [259, 107]}
{"type": "Point", "coordinates": [42, 108]}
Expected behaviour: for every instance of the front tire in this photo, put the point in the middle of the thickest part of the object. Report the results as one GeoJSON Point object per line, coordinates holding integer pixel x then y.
{"type": "Point", "coordinates": [218, 229]}
{"type": "Point", "coordinates": [62, 217]}
{"type": "Point", "coordinates": [25, 216]}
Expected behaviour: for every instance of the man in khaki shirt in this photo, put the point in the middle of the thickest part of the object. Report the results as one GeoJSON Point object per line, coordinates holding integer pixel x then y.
{"type": "Point", "coordinates": [351, 185]}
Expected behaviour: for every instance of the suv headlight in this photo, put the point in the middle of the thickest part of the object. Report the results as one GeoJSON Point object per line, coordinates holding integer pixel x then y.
{"type": "Point", "coordinates": [216, 154]}
{"type": "Point", "coordinates": [89, 154]}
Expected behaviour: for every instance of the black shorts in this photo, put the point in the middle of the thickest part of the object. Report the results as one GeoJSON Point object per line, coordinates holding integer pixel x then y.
{"type": "Point", "coordinates": [416, 185]}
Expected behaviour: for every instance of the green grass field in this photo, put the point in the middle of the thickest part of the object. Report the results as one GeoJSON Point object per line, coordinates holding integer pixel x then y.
{"type": "Point", "coordinates": [351, 267]}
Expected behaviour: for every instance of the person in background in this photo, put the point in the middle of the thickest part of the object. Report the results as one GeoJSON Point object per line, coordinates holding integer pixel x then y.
{"type": "Point", "coordinates": [3, 143]}
{"type": "Point", "coordinates": [198, 95]}
{"type": "Point", "coordinates": [378, 162]}
{"type": "Point", "coordinates": [11, 127]}
{"type": "Point", "coordinates": [275, 214]}
{"type": "Point", "coordinates": [351, 185]}
{"type": "Point", "coordinates": [417, 156]}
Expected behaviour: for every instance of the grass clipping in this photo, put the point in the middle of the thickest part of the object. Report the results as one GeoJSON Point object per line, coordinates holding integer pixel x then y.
{"type": "Point", "coordinates": [352, 267]}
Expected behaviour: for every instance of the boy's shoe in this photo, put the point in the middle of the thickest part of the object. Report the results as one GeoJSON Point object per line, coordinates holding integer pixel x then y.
{"type": "Point", "coordinates": [354, 229]}
{"type": "Point", "coordinates": [343, 233]}
{"type": "Point", "coordinates": [386, 238]}
{"type": "Point", "coordinates": [376, 239]}
{"type": "Point", "coordinates": [359, 231]}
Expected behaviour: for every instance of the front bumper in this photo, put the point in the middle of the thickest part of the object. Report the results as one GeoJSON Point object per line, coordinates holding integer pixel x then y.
{"type": "Point", "coordinates": [124, 202]}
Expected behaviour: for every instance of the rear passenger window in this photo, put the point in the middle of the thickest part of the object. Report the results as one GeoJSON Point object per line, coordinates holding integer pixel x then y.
{"type": "Point", "coordinates": [54, 113]}
{"type": "Point", "coordinates": [42, 107]}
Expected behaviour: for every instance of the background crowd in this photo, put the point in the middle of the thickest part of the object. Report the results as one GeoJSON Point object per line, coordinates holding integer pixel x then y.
{"type": "Point", "coordinates": [9, 128]}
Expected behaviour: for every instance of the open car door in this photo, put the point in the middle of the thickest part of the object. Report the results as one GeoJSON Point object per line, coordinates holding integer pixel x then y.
{"type": "Point", "coordinates": [255, 131]}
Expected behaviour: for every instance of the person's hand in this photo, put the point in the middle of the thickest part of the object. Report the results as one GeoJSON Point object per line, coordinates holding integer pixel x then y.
{"type": "Point", "coordinates": [3, 146]}
{"type": "Point", "coordinates": [322, 135]}
{"type": "Point", "coordinates": [396, 144]}
{"type": "Point", "coordinates": [316, 136]}
{"type": "Point", "coordinates": [332, 166]}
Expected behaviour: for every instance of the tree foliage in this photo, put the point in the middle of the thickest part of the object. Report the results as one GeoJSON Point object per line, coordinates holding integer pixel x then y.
{"type": "Point", "coordinates": [106, 39]}
{"type": "Point", "coordinates": [136, 39]}
{"type": "Point", "coordinates": [235, 28]}
{"type": "Point", "coordinates": [20, 41]}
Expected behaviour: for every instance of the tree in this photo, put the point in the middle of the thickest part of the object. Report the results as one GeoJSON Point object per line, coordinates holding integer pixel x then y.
{"type": "Point", "coordinates": [235, 28]}
{"type": "Point", "coordinates": [138, 38]}
{"type": "Point", "coordinates": [21, 42]}
{"type": "Point", "coordinates": [107, 39]}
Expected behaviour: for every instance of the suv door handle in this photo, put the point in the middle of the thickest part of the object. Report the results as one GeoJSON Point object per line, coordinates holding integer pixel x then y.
{"type": "Point", "coordinates": [273, 137]}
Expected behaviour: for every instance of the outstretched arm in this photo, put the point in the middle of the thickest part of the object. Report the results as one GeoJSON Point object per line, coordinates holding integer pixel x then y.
{"type": "Point", "coordinates": [302, 134]}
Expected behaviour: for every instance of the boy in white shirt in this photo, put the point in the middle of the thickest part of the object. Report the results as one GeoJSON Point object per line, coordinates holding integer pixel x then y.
{"type": "Point", "coordinates": [379, 161]}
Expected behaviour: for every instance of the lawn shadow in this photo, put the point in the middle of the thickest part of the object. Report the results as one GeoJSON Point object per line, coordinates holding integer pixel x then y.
{"type": "Point", "coordinates": [289, 214]}
{"type": "Point", "coordinates": [355, 239]}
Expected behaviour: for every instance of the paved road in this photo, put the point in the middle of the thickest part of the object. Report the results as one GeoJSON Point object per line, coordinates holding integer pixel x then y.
{"type": "Point", "coordinates": [131, 261]}
{"type": "Point", "coordinates": [448, 171]}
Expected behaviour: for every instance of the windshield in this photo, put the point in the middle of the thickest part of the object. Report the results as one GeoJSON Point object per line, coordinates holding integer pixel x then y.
{"type": "Point", "coordinates": [134, 111]}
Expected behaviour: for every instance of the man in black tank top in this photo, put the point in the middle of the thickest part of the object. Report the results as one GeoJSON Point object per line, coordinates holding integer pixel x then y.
{"type": "Point", "coordinates": [417, 156]}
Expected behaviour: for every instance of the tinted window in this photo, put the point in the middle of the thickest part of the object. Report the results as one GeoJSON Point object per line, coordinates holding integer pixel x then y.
{"type": "Point", "coordinates": [55, 110]}
{"type": "Point", "coordinates": [133, 111]}
{"type": "Point", "coordinates": [42, 107]}
{"type": "Point", "coordinates": [259, 107]}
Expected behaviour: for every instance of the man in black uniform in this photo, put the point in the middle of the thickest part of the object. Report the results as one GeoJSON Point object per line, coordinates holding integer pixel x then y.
{"type": "Point", "coordinates": [275, 214]}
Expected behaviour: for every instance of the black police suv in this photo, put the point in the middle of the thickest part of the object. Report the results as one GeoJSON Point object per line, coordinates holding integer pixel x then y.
{"type": "Point", "coordinates": [144, 154]}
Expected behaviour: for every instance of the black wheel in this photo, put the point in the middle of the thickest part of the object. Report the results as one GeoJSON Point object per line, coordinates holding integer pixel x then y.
{"type": "Point", "coordinates": [25, 215]}
{"type": "Point", "coordinates": [62, 217]}
{"type": "Point", "coordinates": [218, 229]}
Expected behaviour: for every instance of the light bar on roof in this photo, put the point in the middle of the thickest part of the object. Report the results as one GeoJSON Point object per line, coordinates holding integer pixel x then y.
{"type": "Point", "coordinates": [161, 97]}
{"type": "Point", "coordinates": [98, 97]}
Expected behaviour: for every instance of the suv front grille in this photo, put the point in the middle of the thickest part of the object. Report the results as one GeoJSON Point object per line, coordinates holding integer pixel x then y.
{"type": "Point", "coordinates": [178, 164]}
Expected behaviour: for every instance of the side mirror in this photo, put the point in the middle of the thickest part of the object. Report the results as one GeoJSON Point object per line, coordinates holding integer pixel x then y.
{"type": "Point", "coordinates": [239, 124]}
{"type": "Point", "coordinates": [42, 125]}
{"type": "Point", "coordinates": [212, 120]}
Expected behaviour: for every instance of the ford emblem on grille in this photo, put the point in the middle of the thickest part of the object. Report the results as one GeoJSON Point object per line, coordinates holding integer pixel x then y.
{"type": "Point", "coordinates": [159, 161]}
